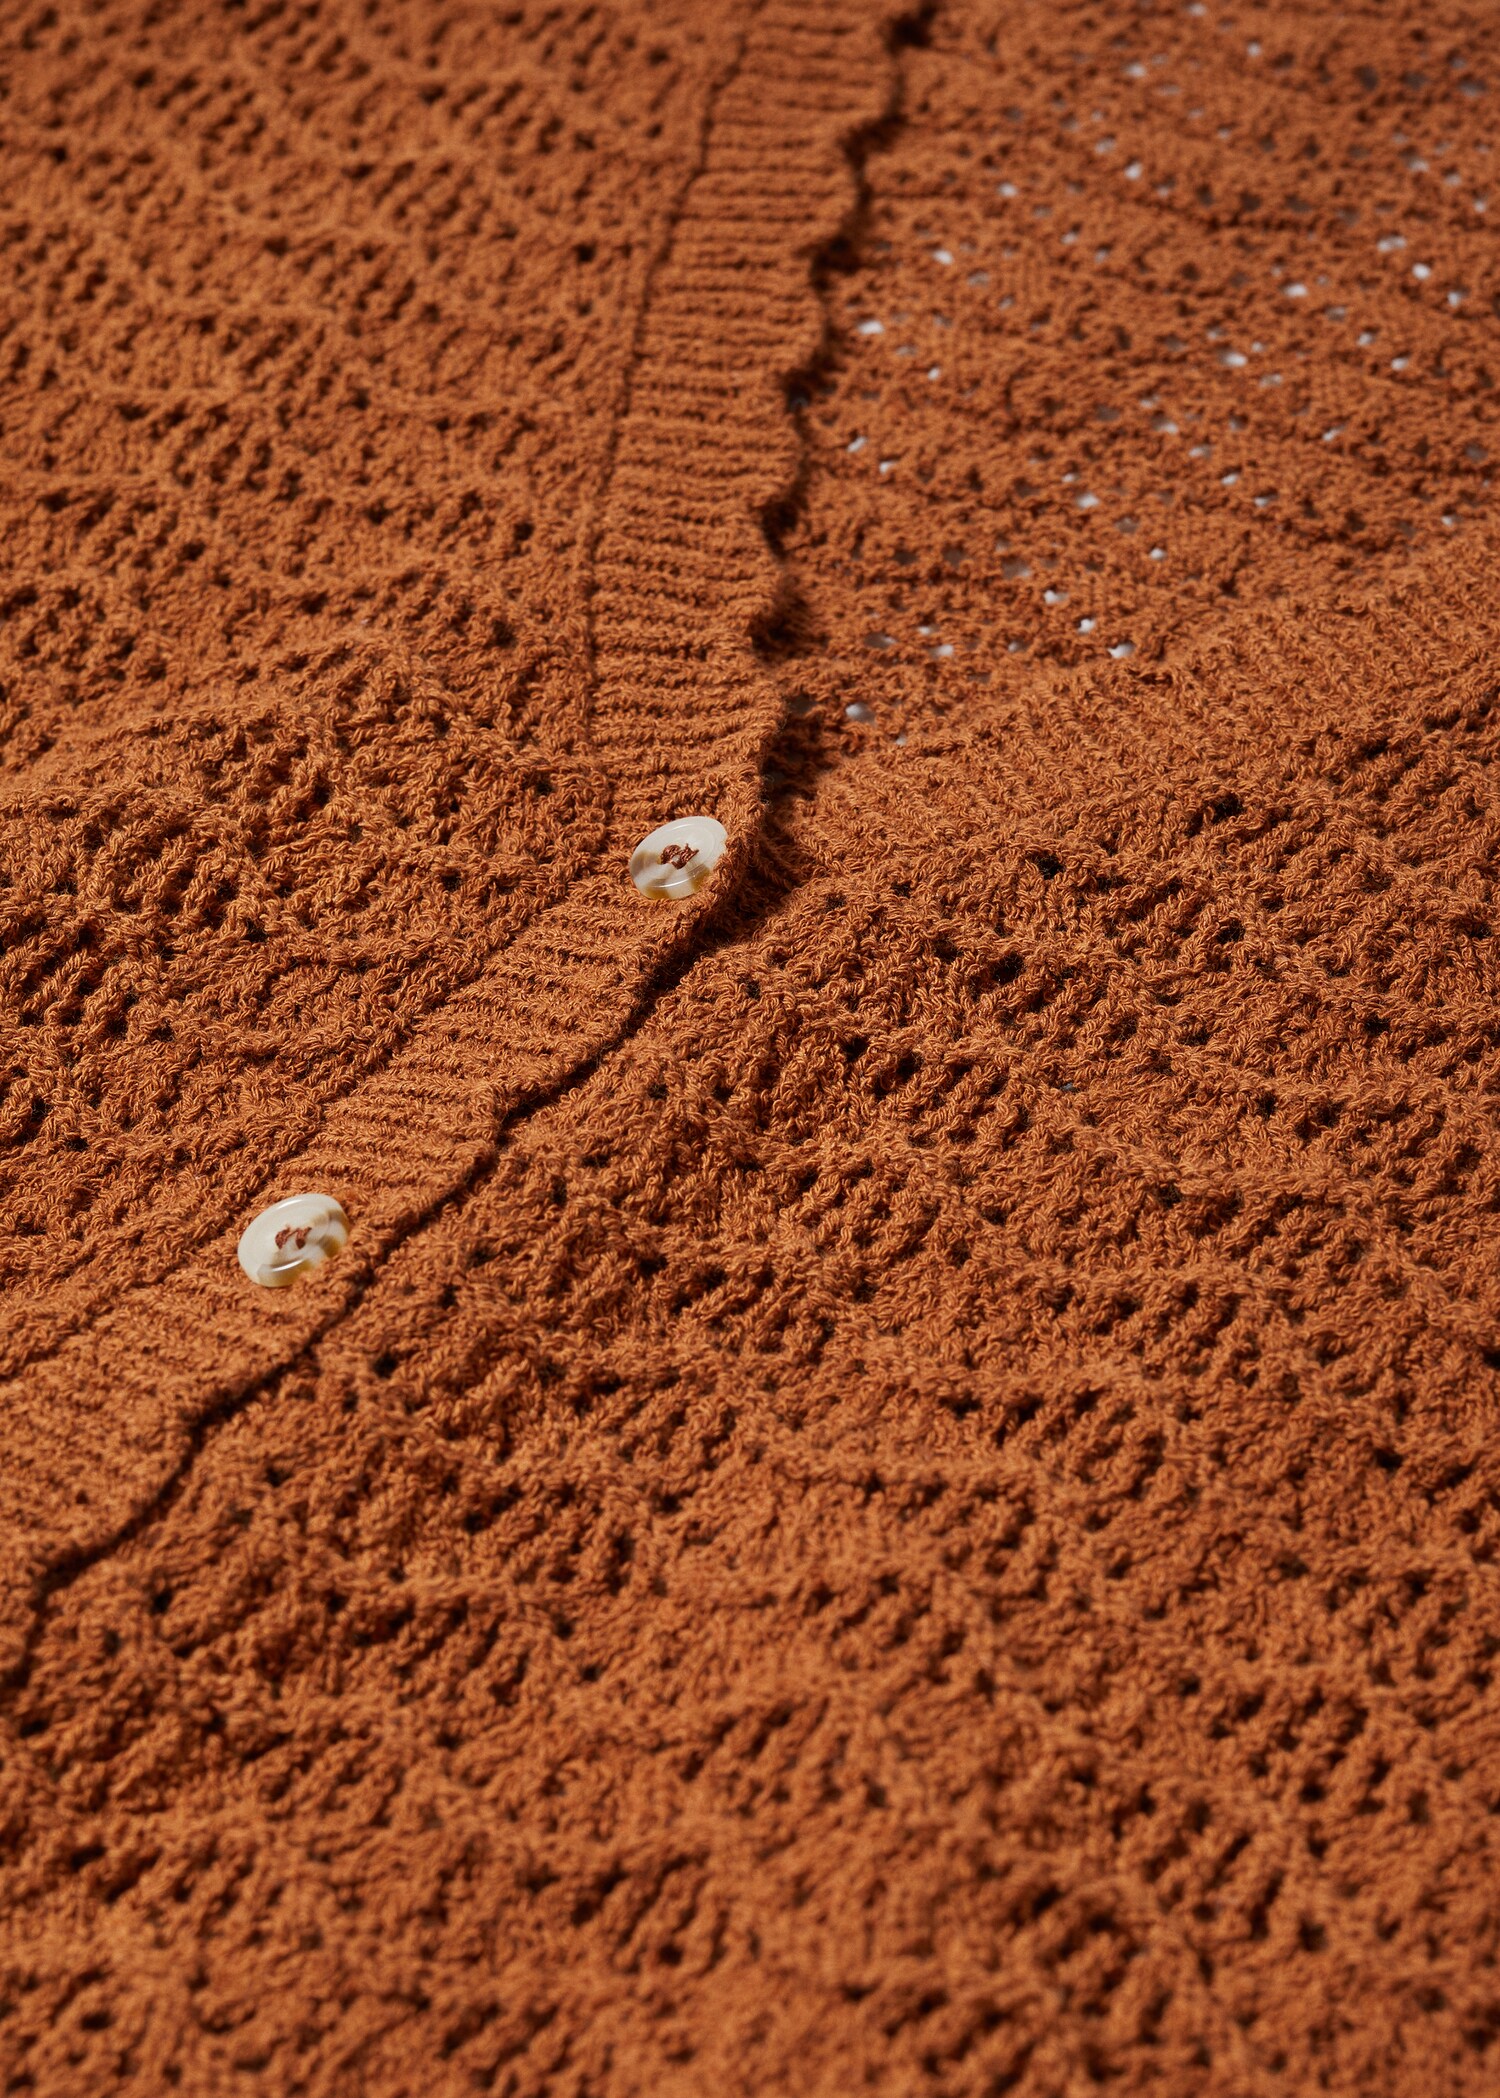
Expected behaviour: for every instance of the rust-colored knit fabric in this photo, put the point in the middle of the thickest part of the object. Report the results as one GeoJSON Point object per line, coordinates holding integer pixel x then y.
{"type": "Point", "coordinates": [897, 1489]}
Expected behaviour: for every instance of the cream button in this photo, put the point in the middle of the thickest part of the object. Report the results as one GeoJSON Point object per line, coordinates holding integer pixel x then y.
{"type": "Point", "coordinates": [678, 858]}
{"type": "Point", "coordinates": [291, 1238]}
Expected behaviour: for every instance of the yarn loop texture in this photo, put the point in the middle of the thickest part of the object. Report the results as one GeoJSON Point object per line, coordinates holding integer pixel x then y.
{"type": "Point", "coordinates": [896, 1487]}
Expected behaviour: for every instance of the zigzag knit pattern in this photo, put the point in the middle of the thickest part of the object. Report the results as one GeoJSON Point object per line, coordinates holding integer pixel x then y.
{"type": "Point", "coordinates": [897, 1488]}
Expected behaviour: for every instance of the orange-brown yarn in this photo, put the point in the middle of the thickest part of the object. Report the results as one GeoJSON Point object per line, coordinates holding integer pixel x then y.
{"type": "Point", "coordinates": [896, 1489]}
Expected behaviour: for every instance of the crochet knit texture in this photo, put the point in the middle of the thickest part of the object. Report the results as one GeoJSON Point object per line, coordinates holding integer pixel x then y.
{"type": "Point", "coordinates": [896, 1490]}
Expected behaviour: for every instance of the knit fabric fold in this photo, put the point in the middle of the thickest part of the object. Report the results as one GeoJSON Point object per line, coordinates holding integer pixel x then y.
{"type": "Point", "coordinates": [895, 1489]}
